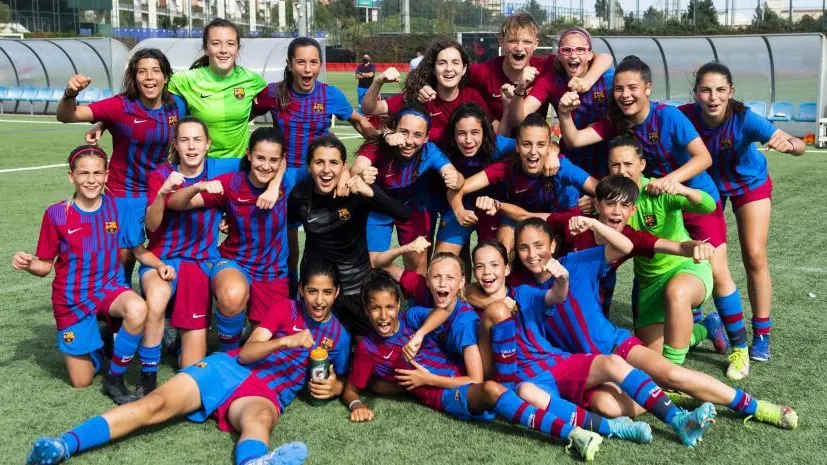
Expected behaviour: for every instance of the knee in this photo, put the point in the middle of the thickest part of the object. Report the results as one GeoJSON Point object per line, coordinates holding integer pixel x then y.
{"type": "Point", "coordinates": [81, 381]}
{"type": "Point", "coordinates": [755, 260]}
{"type": "Point", "coordinates": [675, 376]}
{"type": "Point", "coordinates": [135, 313]}
{"type": "Point", "coordinates": [264, 417]}
{"type": "Point", "coordinates": [612, 363]}
{"type": "Point", "coordinates": [675, 296]}
{"type": "Point", "coordinates": [232, 299]}
{"type": "Point", "coordinates": [524, 390]}
{"type": "Point", "coordinates": [153, 403]}
{"type": "Point", "coordinates": [493, 390]}
{"type": "Point", "coordinates": [496, 312]}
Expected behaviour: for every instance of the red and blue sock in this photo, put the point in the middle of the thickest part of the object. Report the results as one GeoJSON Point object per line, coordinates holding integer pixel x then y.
{"type": "Point", "coordinates": [577, 416]}
{"type": "Point", "coordinates": [733, 317]}
{"type": "Point", "coordinates": [640, 387]}
{"type": "Point", "coordinates": [518, 411]}
{"type": "Point", "coordinates": [249, 449]}
{"type": "Point", "coordinates": [229, 330]}
{"type": "Point", "coordinates": [504, 348]}
{"type": "Point", "coordinates": [91, 433]}
{"type": "Point", "coordinates": [698, 314]}
{"type": "Point", "coordinates": [123, 351]}
{"type": "Point", "coordinates": [761, 326]}
{"type": "Point", "coordinates": [744, 403]}
{"type": "Point", "coordinates": [150, 357]}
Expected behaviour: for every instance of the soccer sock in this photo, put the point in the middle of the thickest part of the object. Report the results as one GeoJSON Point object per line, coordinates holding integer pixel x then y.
{"type": "Point", "coordinates": [126, 344]}
{"type": "Point", "coordinates": [699, 334]}
{"type": "Point", "coordinates": [577, 416]}
{"type": "Point", "coordinates": [761, 326]}
{"type": "Point", "coordinates": [731, 313]}
{"type": "Point", "coordinates": [697, 314]}
{"type": "Point", "coordinates": [517, 411]}
{"type": "Point", "coordinates": [91, 433]}
{"type": "Point", "coordinates": [504, 348]}
{"type": "Point", "coordinates": [676, 356]}
{"type": "Point", "coordinates": [249, 449]}
{"type": "Point", "coordinates": [229, 330]}
{"type": "Point", "coordinates": [640, 387]}
{"type": "Point", "coordinates": [744, 403]}
{"type": "Point", "coordinates": [150, 358]}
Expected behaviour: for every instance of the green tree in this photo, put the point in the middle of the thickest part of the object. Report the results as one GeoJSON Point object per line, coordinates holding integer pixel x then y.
{"type": "Point", "coordinates": [536, 11]}
{"type": "Point", "coordinates": [653, 17]}
{"type": "Point", "coordinates": [5, 13]}
{"type": "Point", "coordinates": [701, 13]}
{"type": "Point", "coordinates": [601, 8]}
{"type": "Point", "coordinates": [323, 17]}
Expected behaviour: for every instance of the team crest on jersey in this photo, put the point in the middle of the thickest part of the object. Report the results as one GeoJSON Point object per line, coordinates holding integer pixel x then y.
{"type": "Point", "coordinates": [599, 96]}
{"type": "Point", "coordinates": [726, 143]}
{"type": "Point", "coordinates": [653, 137]}
{"type": "Point", "coordinates": [238, 92]}
{"type": "Point", "coordinates": [68, 337]}
{"type": "Point", "coordinates": [111, 227]}
{"type": "Point", "coordinates": [650, 221]}
{"type": "Point", "coordinates": [456, 395]}
{"type": "Point", "coordinates": [173, 120]}
{"type": "Point", "coordinates": [344, 214]}
{"type": "Point", "coordinates": [200, 364]}
{"type": "Point", "coordinates": [318, 107]}
{"type": "Point", "coordinates": [327, 343]}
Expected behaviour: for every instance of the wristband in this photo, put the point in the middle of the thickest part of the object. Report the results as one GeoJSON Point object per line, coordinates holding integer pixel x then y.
{"type": "Point", "coordinates": [791, 143]}
{"type": "Point", "coordinates": [498, 205]}
{"type": "Point", "coordinates": [66, 95]}
{"type": "Point", "coordinates": [354, 403]}
{"type": "Point", "coordinates": [525, 92]}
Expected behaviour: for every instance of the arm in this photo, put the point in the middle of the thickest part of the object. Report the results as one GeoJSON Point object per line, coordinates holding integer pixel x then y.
{"type": "Point", "coordinates": [682, 197]}
{"type": "Point", "coordinates": [617, 245]}
{"type": "Point", "coordinates": [190, 197]}
{"type": "Point", "coordinates": [436, 318]}
{"type": "Point", "coordinates": [452, 178]}
{"type": "Point", "coordinates": [371, 105]}
{"type": "Point", "coordinates": [68, 110]}
{"type": "Point", "coordinates": [22, 261]}
{"type": "Point", "coordinates": [697, 250]}
{"type": "Point", "coordinates": [600, 64]}
{"type": "Point", "coordinates": [260, 344]}
{"type": "Point", "coordinates": [572, 136]}
{"type": "Point", "coordinates": [381, 202]}
{"type": "Point", "coordinates": [385, 259]}
{"type": "Point", "coordinates": [420, 376]}
{"type": "Point", "coordinates": [359, 412]}
{"type": "Point", "coordinates": [474, 183]}
{"type": "Point", "coordinates": [149, 259]}
{"type": "Point", "coordinates": [327, 388]}
{"type": "Point", "coordinates": [514, 212]}
{"type": "Point", "coordinates": [558, 292]}
{"type": "Point", "coordinates": [155, 212]}
{"type": "Point", "coordinates": [700, 161]}
{"type": "Point", "coordinates": [785, 143]}
{"type": "Point", "coordinates": [361, 124]}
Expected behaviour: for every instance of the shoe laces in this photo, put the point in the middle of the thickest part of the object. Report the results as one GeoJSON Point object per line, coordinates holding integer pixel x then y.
{"type": "Point", "coordinates": [738, 357]}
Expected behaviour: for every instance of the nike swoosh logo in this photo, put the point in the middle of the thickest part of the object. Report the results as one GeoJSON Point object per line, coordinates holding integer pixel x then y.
{"type": "Point", "coordinates": [520, 191]}
{"type": "Point", "coordinates": [436, 114]}
{"type": "Point", "coordinates": [240, 200]}
{"type": "Point", "coordinates": [298, 330]}
{"type": "Point", "coordinates": [508, 355]}
{"type": "Point", "coordinates": [310, 220]}
{"type": "Point", "coordinates": [386, 357]}
{"type": "Point", "coordinates": [72, 231]}
{"type": "Point", "coordinates": [496, 95]}
{"type": "Point", "coordinates": [198, 316]}
{"type": "Point", "coordinates": [139, 121]}
{"type": "Point", "coordinates": [205, 96]}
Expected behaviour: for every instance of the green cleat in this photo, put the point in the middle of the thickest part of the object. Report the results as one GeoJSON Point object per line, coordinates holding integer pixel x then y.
{"type": "Point", "coordinates": [585, 443]}
{"type": "Point", "coordinates": [781, 416]}
{"type": "Point", "coordinates": [681, 400]}
{"type": "Point", "coordinates": [738, 363]}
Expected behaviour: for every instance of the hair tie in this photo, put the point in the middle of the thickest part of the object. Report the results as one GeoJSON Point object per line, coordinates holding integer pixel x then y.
{"type": "Point", "coordinates": [97, 151]}
{"type": "Point", "coordinates": [414, 111]}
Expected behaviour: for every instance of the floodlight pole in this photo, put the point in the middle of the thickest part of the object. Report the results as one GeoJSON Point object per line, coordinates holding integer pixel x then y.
{"type": "Point", "coordinates": [301, 7]}
{"type": "Point", "coordinates": [406, 16]}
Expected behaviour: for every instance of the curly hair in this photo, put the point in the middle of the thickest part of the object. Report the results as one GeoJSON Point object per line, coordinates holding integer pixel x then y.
{"type": "Point", "coordinates": [424, 74]}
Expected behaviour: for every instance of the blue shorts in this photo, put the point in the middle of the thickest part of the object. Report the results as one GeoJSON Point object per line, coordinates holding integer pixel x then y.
{"type": "Point", "coordinates": [379, 232]}
{"type": "Point", "coordinates": [217, 376]}
{"type": "Point", "coordinates": [451, 231]}
{"type": "Point", "coordinates": [81, 338]}
{"type": "Point", "coordinates": [135, 205]}
{"type": "Point", "coordinates": [455, 403]}
{"type": "Point", "coordinates": [212, 266]}
{"type": "Point", "coordinates": [173, 262]}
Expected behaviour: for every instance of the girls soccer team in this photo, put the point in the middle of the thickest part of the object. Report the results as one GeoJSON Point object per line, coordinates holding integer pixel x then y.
{"type": "Point", "coordinates": [531, 344]}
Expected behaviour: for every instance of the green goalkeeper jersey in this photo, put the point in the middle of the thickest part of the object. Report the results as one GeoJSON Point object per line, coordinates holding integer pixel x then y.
{"type": "Point", "coordinates": [662, 216]}
{"type": "Point", "coordinates": [222, 103]}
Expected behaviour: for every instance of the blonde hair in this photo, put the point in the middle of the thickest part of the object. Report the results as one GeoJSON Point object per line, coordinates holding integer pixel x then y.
{"type": "Point", "coordinates": [517, 22]}
{"type": "Point", "coordinates": [442, 256]}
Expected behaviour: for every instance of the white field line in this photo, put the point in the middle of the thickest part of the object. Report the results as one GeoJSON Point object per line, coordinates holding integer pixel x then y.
{"type": "Point", "coordinates": [31, 168]}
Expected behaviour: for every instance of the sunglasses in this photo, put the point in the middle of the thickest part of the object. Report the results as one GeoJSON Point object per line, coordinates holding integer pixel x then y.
{"type": "Point", "coordinates": [573, 50]}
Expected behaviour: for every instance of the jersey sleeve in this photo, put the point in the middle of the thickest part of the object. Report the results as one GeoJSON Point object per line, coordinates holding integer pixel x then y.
{"type": "Point", "coordinates": [433, 158]}
{"type": "Point", "coordinates": [757, 128]}
{"type": "Point", "coordinates": [383, 203]}
{"type": "Point", "coordinates": [362, 367]}
{"type": "Point", "coordinates": [266, 100]}
{"type": "Point", "coordinates": [48, 244]}
{"type": "Point", "coordinates": [178, 84]}
{"type": "Point", "coordinates": [181, 105]}
{"type": "Point", "coordinates": [544, 88]}
{"type": "Point", "coordinates": [505, 147]}
{"type": "Point", "coordinates": [589, 264]}
{"type": "Point", "coordinates": [131, 232]}
{"type": "Point", "coordinates": [558, 222]}
{"type": "Point", "coordinates": [369, 151]}
{"type": "Point", "coordinates": [340, 355]}
{"type": "Point", "coordinates": [337, 104]}
{"type": "Point", "coordinates": [416, 316]}
{"type": "Point", "coordinates": [683, 132]}
{"type": "Point", "coordinates": [496, 172]}
{"type": "Point", "coordinates": [216, 200]}
{"type": "Point", "coordinates": [463, 331]}
{"type": "Point", "coordinates": [277, 316]}
{"type": "Point", "coordinates": [680, 202]}
{"type": "Point", "coordinates": [532, 300]}
{"type": "Point", "coordinates": [107, 110]}
{"type": "Point", "coordinates": [643, 242]}
{"type": "Point", "coordinates": [395, 103]}
{"type": "Point", "coordinates": [572, 174]}
{"type": "Point", "coordinates": [604, 128]}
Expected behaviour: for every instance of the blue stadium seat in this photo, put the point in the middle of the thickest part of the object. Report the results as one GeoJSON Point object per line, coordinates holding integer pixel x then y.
{"type": "Point", "coordinates": [55, 97]}
{"type": "Point", "coordinates": [3, 92]}
{"type": "Point", "coordinates": [807, 112]}
{"type": "Point", "coordinates": [675, 102]}
{"type": "Point", "coordinates": [89, 95]}
{"type": "Point", "coordinates": [42, 96]}
{"type": "Point", "coordinates": [106, 93]}
{"type": "Point", "coordinates": [758, 106]}
{"type": "Point", "coordinates": [28, 95]}
{"type": "Point", "coordinates": [12, 95]}
{"type": "Point", "coordinates": [781, 111]}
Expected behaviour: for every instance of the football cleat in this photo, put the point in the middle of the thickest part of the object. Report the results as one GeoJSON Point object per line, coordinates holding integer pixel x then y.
{"type": "Point", "coordinates": [738, 363]}
{"type": "Point", "coordinates": [781, 416]}
{"type": "Point", "coordinates": [760, 349]}
{"type": "Point", "coordinates": [294, 453]}
{"type": "Point", "coordinates": [585, 443]}
{"type": "Point", "coordinates": [716, 333]}
{"type": "Point", "coordinates": [115, 388]}
{"type": "Point", "coordinates": [625, 428]}
{"type": "Point", "coordinates": [690, 426]}
{"type": "Point", "coordinates": [48, 451]}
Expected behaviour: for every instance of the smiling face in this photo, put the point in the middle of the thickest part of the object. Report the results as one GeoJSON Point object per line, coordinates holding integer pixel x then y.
{"type": "Point", "coordinates": [518, 48]}
{"type": "Point", "coordinates": [88, 176]}
{"type": "Point", "coordinates": [534, 248]}
{"type": "Point", "coordinates": [713, 93]}
{"type": "Point", "coordinates": [490, 269]}
{"type": "Point", "coordinates": [305, 66]}
{"type": "Point", "coordinates": [533, 144]}
{"type": "Point", "coordinates": [264, 162]}
{"type": "Point", "coordinates": [574, 63]}
{"type": "Point", "coordinates": [449, 68]}
{"type": "Point", "coordinates": [415, 130]}
{"type": "Point", "coordinates": [150, 79]}
{"type": "Point", "coordinates": [631, 93]}
{"type": "Point", "coordinates": [325, 168]}
{"type": "Point", "coordinates": [625, 161]}
{"type": "Point", "coordinates": [445, 279]}
{"type": "Point", "coordinates": [468, 136]}
{"type": "Point", "coordinates": [192, 145]}
{"type": "Point", "coordinates": [383, 312]}
{"type": "Point", "coordinates": [318, 294]}
{"type": "Point", "coordinates": [222, 49]}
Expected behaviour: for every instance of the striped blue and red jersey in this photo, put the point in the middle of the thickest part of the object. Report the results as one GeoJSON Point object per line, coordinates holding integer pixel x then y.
{"type": "Point", "coordinates": [535, 354]}
{"type": "Point", "coordinates": [285, 371]}
{"type": "Point", "coordinates": [737, 167]}
{"type": "Point", "coordinates": [86, 246]}
{"type": "Point", "coordinates": [470, 166]}
{"type": "Point", "coordinates": [488, 78]}
{"type": "Point", "coordinates": [664, 136]}
{"type": "Point", "coordinates": [257, 239]}
{"type": "Point", "coordinates": [307, 117]}
{"type": "Point", "coordinates": [191, 234]}
{"type": "Point", "coordinates": [140, 140]}
{"type": "Point", "coordinates": [380, 357]}
{"type": "Point", "coordinates": [539, 193]}
{"type": "Point", "coordinates": [404, 178]}
{"type": "Point", "coordinates": [458, 332]}
{"type": "Point", "coordinates": [440, 111]}
{"type": "Point", "coordinates": [594, 104]}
